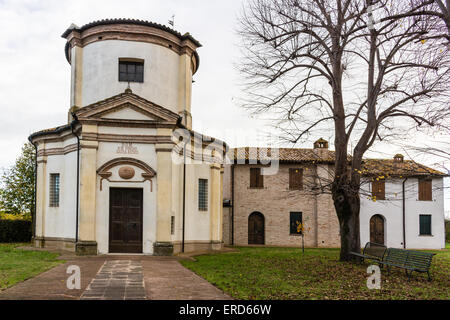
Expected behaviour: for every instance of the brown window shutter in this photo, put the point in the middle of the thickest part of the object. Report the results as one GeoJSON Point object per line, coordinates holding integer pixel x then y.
{"type": "Point", "coordinates": [378, 190]}
{"type": "Point", "coordinates": [256, 179]}
{"type": "Point", "coordinates": [295, 179]}
{"type": "Point", "coordinates": [425, 190]}
{"type": "Point", "coordinates": [429, 191]}
{"type": "Point", "coordinates": [260, 178]}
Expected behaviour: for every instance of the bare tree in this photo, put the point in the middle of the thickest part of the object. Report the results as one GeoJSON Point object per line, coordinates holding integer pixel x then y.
{"type": "Point", "coordinates": [352, 67]}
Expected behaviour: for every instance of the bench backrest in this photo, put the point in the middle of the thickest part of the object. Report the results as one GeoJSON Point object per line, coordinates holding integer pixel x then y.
{"type": "Point", "coordinates": [374, 249]}
{"type": "Point", "coordinates": [408, 258]}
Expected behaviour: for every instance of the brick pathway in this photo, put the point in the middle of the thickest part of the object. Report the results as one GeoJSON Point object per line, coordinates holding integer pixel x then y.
{"type": "Point", "coordinates": [117, 277]}
{"type": "Point", "coordinates": [117, 280]}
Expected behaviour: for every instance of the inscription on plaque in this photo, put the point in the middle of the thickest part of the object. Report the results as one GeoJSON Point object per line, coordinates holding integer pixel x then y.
{"type": "Point", "coordinates": [127, 148]}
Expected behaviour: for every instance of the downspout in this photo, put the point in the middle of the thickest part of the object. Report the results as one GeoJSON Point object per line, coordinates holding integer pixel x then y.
{"type": "Point", "coordinates": [232, 204]}
{"type": "Point", "coordinates": [72, 127]}
{"type": "Point", "coordinates": [184, 196]}
{"type": "Point", "coordinates": [404, 212]}
{"type": "Point", "coordinates": [33, 217]}
{"type": "Point", "coordinates": [184, 188]}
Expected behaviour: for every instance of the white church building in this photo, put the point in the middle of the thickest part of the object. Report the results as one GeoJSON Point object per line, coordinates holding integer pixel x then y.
{"type": "Point", "coordinates": [109, 181]}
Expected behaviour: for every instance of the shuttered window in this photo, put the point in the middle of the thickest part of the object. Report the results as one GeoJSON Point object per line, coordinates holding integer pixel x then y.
{"type": "Point", "coordinates": [295, 221]}
{"type": "Point", "coordinates": [54, 190]}
{"type": "Point", "coordinates": [425, 224]}
{"type": "Point", "coordinates": [378, 190]}
{"type": "Point", "coordinates": [256, 178]}
{"type": "Point", "coordinates": [202, 194]}
{"type": "Point", "coordinates": [425, 193]}
{"type": "Point", "coordinates": [295, 179]}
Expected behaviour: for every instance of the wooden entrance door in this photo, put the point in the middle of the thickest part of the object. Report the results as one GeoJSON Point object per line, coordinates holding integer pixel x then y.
{"type": "Point", "coordinates": [256, 228]}
{"type": "Point", "coordinates": [125, 220]}
{"type": "Point", "coordinates": [377, 229]}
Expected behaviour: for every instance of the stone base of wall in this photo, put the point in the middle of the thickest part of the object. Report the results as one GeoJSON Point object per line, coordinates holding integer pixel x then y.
{"type": "Point", "coordinates": [54, 243]}
{"type": "Point", "coordinates": [86, 248]}
{"type": "Point", "coordinates": [81, 248]}
{"type": "Point", "coordinates": [191, 246]}
{"type": "Point", "coordinates": [162, 249]}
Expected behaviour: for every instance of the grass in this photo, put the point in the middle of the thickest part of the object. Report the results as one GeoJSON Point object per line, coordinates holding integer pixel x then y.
{"type": "Point", "coordinates": [286, 273]}
{"type": "Point", "coordinates": [17, 265]}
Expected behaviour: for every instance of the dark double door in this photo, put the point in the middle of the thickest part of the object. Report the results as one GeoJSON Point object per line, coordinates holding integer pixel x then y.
{"type": "Point", "coordinates": [256, 228]}
{"type": "Point", "coordinates": [125, 220]}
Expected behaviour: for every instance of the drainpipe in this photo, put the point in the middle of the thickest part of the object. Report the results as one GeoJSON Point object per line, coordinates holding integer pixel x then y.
{"type": "Point", "coordinates": [232, 204]}
{"type": "Point", "coordinates": [184, 196]}
{"type": "Point", "coordinates": [72, 127]}
{"type": "Point", "coordinates": [184, 187]}
{"type": "Point", "coordinates": [403, 212]}
{"type": "Point", "coordinates": [33, 214]}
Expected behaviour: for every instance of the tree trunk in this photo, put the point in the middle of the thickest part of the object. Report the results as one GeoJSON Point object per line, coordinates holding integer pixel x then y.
{"type": "Point", "coordinates": [346, 202]}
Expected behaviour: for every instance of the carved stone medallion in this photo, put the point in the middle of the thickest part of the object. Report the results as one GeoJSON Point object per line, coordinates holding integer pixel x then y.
{"type": "Point", "coordinates": [126, 172]}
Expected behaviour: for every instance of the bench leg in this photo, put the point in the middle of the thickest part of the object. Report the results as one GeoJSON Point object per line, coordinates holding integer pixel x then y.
{"type": "Point", "coordinates": [409, 274]}
{"type": "Point", "coordinates": [429, 277]}
{"type": "Point", "coordinates": [389, 270]}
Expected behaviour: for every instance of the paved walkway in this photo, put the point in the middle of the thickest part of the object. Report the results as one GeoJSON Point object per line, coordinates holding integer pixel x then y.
{"type": "Point", "coordinates": [117, 278]}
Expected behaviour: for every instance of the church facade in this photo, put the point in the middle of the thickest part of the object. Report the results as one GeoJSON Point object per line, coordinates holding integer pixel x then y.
{"type": "Point", "coordinates": [113, 179]}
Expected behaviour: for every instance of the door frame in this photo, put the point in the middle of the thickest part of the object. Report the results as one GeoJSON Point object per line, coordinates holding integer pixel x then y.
{"type": "Point", "coordinates": [141, 220]}
{"type": "Point", "coordinates": [376, 216]}
{"type": "Point", "coordinates": [257, 213]}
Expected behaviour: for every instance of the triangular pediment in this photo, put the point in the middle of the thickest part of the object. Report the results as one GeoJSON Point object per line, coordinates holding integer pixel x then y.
{"type": "Point", "coordinates": [126, 107]}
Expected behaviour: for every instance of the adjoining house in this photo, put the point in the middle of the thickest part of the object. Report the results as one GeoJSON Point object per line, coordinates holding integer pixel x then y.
{"type": "Point", "coordinates": [402, 202]}
{"type": "Point", "coordinates": [108, 180]}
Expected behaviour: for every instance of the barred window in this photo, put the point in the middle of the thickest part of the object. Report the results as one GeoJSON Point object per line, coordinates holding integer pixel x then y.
{"type": "Point", "coordinates": [54, 190]}
{"type": "Point", "coordinates": [172, 225]}
{"type": "Point", "coordinates": [202, 194]}
{"type": "Point", "coordinates": [132, 71]}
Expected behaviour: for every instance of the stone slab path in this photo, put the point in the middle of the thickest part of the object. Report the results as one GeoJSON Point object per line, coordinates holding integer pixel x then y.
{"type": "Point", "coordinates": [118, 277]}
{"type": "Point", "coordinates": [117, 280]}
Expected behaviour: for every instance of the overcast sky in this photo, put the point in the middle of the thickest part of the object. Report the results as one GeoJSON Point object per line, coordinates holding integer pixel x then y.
{"type": "Point", "coordinates": [34, 82]}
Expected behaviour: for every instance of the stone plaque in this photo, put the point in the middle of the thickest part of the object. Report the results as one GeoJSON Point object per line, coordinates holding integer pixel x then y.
{"type": "Point", "coordinates": [126, 172]}
{"type": "Point", "coordinates": [127, 148]}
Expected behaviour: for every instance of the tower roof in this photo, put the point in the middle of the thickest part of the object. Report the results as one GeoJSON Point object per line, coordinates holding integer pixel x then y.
{"type": "Point", "coordinates": [186, 36]}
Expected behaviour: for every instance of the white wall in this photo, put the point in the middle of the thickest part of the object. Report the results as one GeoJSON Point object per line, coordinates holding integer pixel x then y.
{"type": "Point", "coordinates": [391, 210]}
{"type": "Point", "coordinates": [101, 72]}
{"type": "Point", "coordinates": [60, 221]}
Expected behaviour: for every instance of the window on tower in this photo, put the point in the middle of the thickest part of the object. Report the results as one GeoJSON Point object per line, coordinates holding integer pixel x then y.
{"type": "Point", "coordinates": [131, 70]}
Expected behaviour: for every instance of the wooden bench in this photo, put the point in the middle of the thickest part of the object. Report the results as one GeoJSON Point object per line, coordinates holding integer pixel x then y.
{"type": "Point", "coordinates": [371, 251]}
{"type": "Point", "coordinates": [409, 260]}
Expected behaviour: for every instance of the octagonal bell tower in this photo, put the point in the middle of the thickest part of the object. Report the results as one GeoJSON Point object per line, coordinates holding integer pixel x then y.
{"type": "Point", "coordinates": [154, 61]}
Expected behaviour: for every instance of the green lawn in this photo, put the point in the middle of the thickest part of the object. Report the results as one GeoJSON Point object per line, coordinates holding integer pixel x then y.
{"type": "Point", "coordinates": [286, 273]}
{"type": "Point", "coordinates": [17, 265]}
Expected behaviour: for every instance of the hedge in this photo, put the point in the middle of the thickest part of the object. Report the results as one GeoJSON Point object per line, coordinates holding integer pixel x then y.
{"type": "Point", "coordinates": [15, 231]}
{"type": "Point", "coordinates": [447, 230]}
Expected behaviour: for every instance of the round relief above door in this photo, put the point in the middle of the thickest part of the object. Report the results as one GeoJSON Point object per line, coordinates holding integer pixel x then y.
{"type": "Point", "coordinates": [126, 172]}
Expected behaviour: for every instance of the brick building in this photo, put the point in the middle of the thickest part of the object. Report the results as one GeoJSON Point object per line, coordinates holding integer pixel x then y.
{"type": "Point", "coordinates": [264, 201]}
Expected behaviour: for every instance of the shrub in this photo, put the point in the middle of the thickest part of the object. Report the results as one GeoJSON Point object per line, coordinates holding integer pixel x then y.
{"type": "Point", "coordinates": [15, 231]}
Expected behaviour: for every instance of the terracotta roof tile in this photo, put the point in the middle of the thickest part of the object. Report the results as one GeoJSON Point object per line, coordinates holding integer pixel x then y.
{"type": "Point", "coordinates": [387, 167]}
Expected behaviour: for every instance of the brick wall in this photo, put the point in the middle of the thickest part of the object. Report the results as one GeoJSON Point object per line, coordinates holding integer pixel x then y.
{"type": "Point", "coordinates": [276, 202]}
